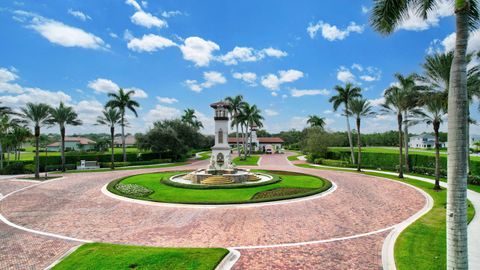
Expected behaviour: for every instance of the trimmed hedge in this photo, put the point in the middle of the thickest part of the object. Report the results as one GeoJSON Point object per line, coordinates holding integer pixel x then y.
{"type": "Point", "coordinates": [16, 167]}
{"type": "Point", "coordinates": [135, 163]}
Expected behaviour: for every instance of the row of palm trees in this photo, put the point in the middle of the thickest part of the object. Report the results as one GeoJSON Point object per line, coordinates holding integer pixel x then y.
{"type": "Point", "coordinates": [40, 115]}
{"type": "Point", "coordinates": [245, 118]}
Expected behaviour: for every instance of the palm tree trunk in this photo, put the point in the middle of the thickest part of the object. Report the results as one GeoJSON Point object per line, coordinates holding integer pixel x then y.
{"type": "Point", "coordinates": [37, 158]}
{"type": "Point", "coordinates": [236, 136]}
{"type": "Point", "coordinates": [112, 138]}
{"type": "Point", "coordinates": [400, 145]}
{"type": "Point", "coordinates": [457, 249]}
{"type": "Point", "coordinates": [123, 139]}
{"type": "Point", "coordinates": [62, 150]}
{"type": "Point", "coordinates": [359, 142]}
{"type": "Point", "coordinates": [436, 126]}
{"type": "Point", "coordinates": [349, 132]}
{"type": "Point", "coordinates": [405, 139]}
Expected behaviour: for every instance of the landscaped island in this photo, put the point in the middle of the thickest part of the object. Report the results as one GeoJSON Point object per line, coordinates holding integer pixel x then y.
{"type": "Point", "coordinates": [150, 187]}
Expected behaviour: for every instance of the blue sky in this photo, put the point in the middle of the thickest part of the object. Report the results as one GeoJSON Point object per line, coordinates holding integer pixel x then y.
{"type": "Point", "coordinates": [284, 56]}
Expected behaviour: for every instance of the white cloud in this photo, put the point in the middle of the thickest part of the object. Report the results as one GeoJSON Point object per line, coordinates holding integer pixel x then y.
{"type": "Point", "coordinates": [7, 85]}
{"type": "Point", "coordinates": [149, 43]}
{"type": "Point", "coordinates": [247, 54]}
{"type": "Point", "coordinates": [198, 50]}
{"type": "Point", "coordinates": [249, 78]}
{"type": "Point", "coordinates": [79, 15]}
{"type": "Point", "coordinates": [88, 111]}
{"type": "Point", "coordinates": [147, 20]}
{"type": "Point", "coordinates": [273, 82]}
{"type": "Point", "coordinates": [309, 92]}
{"type": "Point", "coordinates": [35, 95]}
{"type": "Point", "coordinates": [345, 75]}
{"type": "Point", "coordinates": [377, 102]}
{"type": "Point", "coordinates": [448, 43]}
{"type": "Point", "coordinates": [414, 22]}
{"type": "Point", "coordinates": [167, 100]}
{"type": "Point", "coordinates": [332, 32]}
{"type": "Point", "coordinates": [270, 112]}
{"type": "Point", "coordinates": [61, 34]}
{"type": "Point", "coordinates": [134, 4]}
{"type": "Point", "coordinates": [128, 35]}
{"type": "Point", "coordinates": [101, 85]}
{"type": "Point", "coordinates": [365, 9]}
{"type": "Point", "coordinates": [211, 78]}
{"type": "Point", "coordinates": [357, 67]}
{"type": "Point", "coordinates": [106, 86]}
{"type": "Point", "coordinates": [161, 112]}
{"type": "Point", "coordinates": [113, 35]}
{"type": "Point", "coordinates": [173, 13]}
{"type": "Point", "coordinates": [138, 93]}
{"type": "Point", "coordinates": [144, 4]}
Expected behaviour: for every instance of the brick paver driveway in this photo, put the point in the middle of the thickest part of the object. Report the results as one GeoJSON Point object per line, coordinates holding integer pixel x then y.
{"type": "Point", "coordinates": [341, 230]}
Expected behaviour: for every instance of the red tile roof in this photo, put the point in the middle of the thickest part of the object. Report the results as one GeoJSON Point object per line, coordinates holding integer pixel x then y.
{"type": "Point", "coordinates": [80, 140]}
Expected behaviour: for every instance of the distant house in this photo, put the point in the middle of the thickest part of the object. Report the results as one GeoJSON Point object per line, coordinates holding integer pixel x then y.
{"type": "Point", "coordinates": [73, 144]}
{"type": "Point", "coordinates": [130, 141]}
{"type": "Point", "coordinates": [424, 141]}
{"type": "Point", "coordinates": [260, 143]}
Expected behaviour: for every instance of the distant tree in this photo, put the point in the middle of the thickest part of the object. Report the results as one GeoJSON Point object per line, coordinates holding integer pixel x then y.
{"type": "Point", "coordinates": [63, 116]}
{"type": "Point", "coordinates": [123, 101]}
{"type": "Point", "coordinates": [316, 121]}
{"type": "Point", "coordinates": [236, 104]}
{"type": "Point", "coordinates": [110, 118]}
{"type": "Point", "coordinates": [360, 108]}
{"type": "Point", "coordinates": [38, 114]}
{"type": "Point", "coordinates": [343, 97]}
{"type": "Point", "coordinates": [190, 118]}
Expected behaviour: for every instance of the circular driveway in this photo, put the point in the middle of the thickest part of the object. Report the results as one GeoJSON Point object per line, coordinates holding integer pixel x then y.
{"type": "Point", "coordinates": [75, 207]}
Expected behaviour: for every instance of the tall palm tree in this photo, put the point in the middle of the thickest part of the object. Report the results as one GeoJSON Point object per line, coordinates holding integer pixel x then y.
{"type": "Point", "coordinates": [396, 102]}
{"type": "Point", "coordinates": [344, 95]}
{"type": "Point", "coordinates": [386, 16]}
{"type": "Point", "coordinates": [63, 116]}
{"type": "Point", "coordinates": [435, 109]}
{"type": "Point", "coordinates": [123, 101]}
{"type": "Point", "coordinates": [38, 114]}
{"type": "Point", "coordinates": [110, 117]}
{"type": "Point", "coordinates": [7, 123]}
{"type": "Point", "coordinates": [408, 85]}
{"type": "Point", "coordinates": [360, 108]}
{"type": "Point", "coordinates": [236, 104]}
{"type": "Point", "coordinates": [5, 110]}
{"type": "Point", "coordinates": [316, 121]}
{"type": "Point", "coordinates": [21, 134]}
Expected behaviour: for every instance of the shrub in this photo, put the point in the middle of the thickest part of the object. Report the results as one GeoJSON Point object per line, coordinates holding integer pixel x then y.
{"type": "Point", "coordinates": [133, 190]}
{"type": "Point", "coordinates": [135, 163]}
{"type": "Point", "coordinates": [16, 168]}
{"type": "Point", "coordinates": [474, 179]}
{"type": "Point", "coordinates": [51, 168]}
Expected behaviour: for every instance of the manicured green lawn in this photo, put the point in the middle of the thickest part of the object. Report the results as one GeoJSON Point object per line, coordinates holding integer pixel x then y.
{"type": "Point", "coordinates": [107, 256]}
{"type": "Point", "coordinates": [29, 153]}
{"type": "Point", "coordinates": [165, 193]}
{"type": "Point", "coordinates": [205, 155]}
{"type": "Point", "coordinates": [250, 161]}
{"type": "Point", "coordinates": [294, 157]}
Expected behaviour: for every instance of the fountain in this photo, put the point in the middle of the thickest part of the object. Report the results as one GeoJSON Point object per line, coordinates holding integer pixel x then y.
{"type": "Point", "coordinates": [221, 171]}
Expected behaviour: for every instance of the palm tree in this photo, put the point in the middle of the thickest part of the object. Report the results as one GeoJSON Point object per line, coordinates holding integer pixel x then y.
{"type": "Point", "coordinates": [123, 101]}
{"type": "Point", "coordinates": [63, 116]}
{"type": "Point", "coordinates": [386, 15]}
{"type": "Point", "coordinates": [7, 123]}
{"type": "Point", "coordinates": [344, 95]}
{"type": "Point", "coordinates": [21, 134]}
{"type": "Point", "coordinates": [435, 110]}
{"type": "Point", "coordinates": [191, 119]}
{"type": "Point", "coordinates": [236, 104]}
{"type": "Point", "coordinates": [5, 110]}
{"type": "Point", "coordinates": [38, 114]}
{"type": "Point", "coordinates": [409, 86]}
{"type": "Point", "coordinates": [252, 117]}
{"type": "Point", "coordinates": [396, 102]}
{"type": "Point", "coordinates": [316, 121]}
{"type": "Point", "coordinates": [360, 108]}
{"type": "Point", "coordinates": [110, 118]}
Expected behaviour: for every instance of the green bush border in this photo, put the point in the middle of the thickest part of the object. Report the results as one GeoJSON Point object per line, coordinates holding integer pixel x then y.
{"type": "Point", "coordinates": [327, 185]}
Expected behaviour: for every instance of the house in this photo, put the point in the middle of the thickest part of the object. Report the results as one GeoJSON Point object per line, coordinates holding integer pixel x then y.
{"type": "Point", "coordinates": [259, 144]}
{"type": "Point", "coordinates": [424, 141]}
{"type": "Point", "coordinates": [73, 144]}
{"type": "Point", "coordinates": [130, 141]}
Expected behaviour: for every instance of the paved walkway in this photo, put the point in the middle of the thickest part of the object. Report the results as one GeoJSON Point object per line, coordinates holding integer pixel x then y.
{"type": "Point", "coordinates": [342, 230]}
